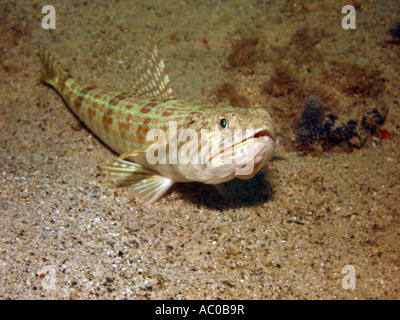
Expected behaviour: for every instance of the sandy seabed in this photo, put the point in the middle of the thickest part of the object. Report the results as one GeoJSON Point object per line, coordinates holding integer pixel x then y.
{"type": "Point", "coordinates": [68, 231]}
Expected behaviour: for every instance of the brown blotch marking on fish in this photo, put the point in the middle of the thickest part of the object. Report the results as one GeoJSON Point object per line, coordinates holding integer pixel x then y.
{"type": "Point", "coordinates": [106, 128]}
{"type": "Point", "coordinates": [114, 132]}
{"type": "Point", "coordinates": [148, 107]}
{"type": "Point", "coordinates": [107, 120]}
{"type": "Point", "coordinates": [131, 137]}
{"type": "Point", "coordinates": [62, 84]}
{"type": "Point", "coordinates": [203, 124]}
{"type": "Point", "coordinates": [142, 139]}
{"type": "Point", "coordinates": [109, 115]}
{"type": "Point", "coordinates": [123, 126]}
{"type": "Point", "coordinates": [96, 123]}
{"type": "Point", "coordinates": [145, 110]}
{"type": "Point", "coordinates": [129, 106]}
{"type": "Point", "coordinates": [147, 121]}
{"type": "Point", "coordinates": [114, 101]}
{"type": "Point", "coordinates": [72, 91]}
{"type": "Point", "coordinates": [91, 112]}
{"type": "Point", "coordinates": [140, 103]}
{"type": "Point", "coordinates": [143, 129]}
{"type": "Point", "coordinates": [100, 107]}
{"type": "Point", "coordinates": [81, 96]}
{"type": "Point", "coordinates": [167, 113]}
{"type": "Point", "coordinates": [73, 86]}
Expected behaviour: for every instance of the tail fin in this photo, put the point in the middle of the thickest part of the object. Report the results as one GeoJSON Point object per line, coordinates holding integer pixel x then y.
{"type": "Point", "coordinates": [52, 72]}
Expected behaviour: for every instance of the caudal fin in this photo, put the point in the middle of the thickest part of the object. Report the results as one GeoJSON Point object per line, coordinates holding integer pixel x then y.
{"type": "Point", "coordinates": [51, 72]}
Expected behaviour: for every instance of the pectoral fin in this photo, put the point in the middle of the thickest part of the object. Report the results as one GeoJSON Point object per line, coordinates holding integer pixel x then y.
{"type": "Point", "coordinates": [146, 185]}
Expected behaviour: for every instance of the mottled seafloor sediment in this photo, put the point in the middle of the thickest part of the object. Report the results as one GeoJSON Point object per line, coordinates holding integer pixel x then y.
{"type": "Point", "coordinates": [68, 231]}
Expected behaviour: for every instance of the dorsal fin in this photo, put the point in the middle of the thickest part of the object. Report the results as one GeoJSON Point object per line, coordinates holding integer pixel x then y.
{"type": "Point", "coordinates": [151, 79]}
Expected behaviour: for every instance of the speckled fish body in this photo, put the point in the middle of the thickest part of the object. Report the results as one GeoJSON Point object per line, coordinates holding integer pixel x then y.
{"type": "Point", "coordinates": [123, 121]}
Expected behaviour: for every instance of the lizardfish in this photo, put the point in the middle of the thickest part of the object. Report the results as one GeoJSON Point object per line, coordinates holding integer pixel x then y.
{"type": "Point", "coordinates": [162, 140]}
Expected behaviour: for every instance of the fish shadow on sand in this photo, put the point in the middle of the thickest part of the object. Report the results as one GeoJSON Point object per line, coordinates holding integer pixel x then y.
{"type": "Point", "coordinates": [237, 193]}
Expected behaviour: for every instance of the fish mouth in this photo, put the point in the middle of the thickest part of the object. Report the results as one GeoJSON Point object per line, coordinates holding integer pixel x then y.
{"type": "Point", "coordinates": [262, 133]}
{"type": "Point", "coordinates": [257, 135]}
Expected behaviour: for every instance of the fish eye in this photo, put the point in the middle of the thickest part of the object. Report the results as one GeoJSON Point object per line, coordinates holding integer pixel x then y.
{"type": "Point", "coordinates": [223, 122]}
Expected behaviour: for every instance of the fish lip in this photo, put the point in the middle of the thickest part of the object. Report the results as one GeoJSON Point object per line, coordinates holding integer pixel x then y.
{"type": "Point", "coordinates": [264, 133]}
{"type": "Point", "coordinates": [257, 135]}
